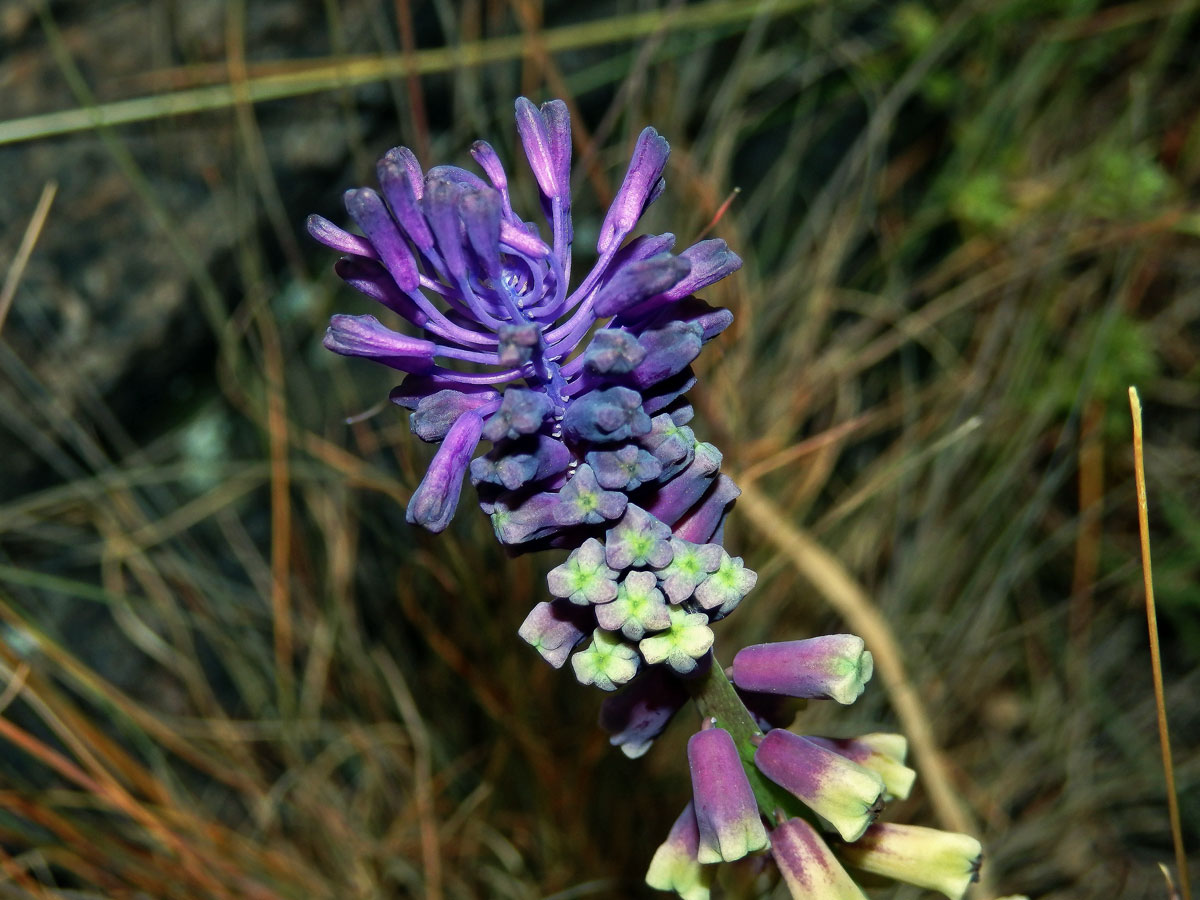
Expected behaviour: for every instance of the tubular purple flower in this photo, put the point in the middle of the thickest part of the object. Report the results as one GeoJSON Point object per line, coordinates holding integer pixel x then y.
{"type": "Point", "coordinates": [638, 190]}
{"type": "Point", "coordinates": [403, 184]}
{"type": "Point", "coordinates": [702, 520]}
{"type": "Point", "coordinates": [436, 497]}
{"type": "Point", "coordinates": [836, 666]}
{"type": "Point", "coordinates": [809, 868]}
{"type": "Point", "coordinates": [637, 280]}
{"type": "Point", "coordinates": [336, 239]}
{"type": "Point", "coordinates": [844, 793]}
{"type": "Point", "coordinates": [367, 209]}
{"type": "Point", "coordinates": [726, 813]}
{"type": "Point", "coordinates": [365, 336]}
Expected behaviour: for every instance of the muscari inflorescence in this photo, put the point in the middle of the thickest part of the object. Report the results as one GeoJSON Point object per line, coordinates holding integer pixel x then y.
{"type": "Point", "coordinates": [580, 394]}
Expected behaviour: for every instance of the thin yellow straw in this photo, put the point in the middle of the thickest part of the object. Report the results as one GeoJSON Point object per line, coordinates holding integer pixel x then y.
{"type": "Point", "coordinates": [1139, 472]}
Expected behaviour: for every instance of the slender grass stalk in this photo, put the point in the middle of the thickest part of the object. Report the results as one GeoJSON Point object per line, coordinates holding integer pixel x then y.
{"type": "Point", "coordinates": [1160, 704]}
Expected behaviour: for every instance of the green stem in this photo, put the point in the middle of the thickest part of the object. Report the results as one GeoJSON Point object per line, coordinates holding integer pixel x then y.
{"type": "Point", "coordinates": [716, 699]}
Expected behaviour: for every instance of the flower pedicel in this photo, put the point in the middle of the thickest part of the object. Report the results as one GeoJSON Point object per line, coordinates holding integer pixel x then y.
{"type": "Point", "coordinates": [580, 393]}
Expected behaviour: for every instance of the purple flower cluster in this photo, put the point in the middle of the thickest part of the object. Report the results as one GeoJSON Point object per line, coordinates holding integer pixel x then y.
{"type": "Point", "coordinates": [580, 394]}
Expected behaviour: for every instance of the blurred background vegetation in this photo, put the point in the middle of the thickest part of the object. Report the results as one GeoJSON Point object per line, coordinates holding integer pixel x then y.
{"type": "Point", "coordinates": [229, 669]}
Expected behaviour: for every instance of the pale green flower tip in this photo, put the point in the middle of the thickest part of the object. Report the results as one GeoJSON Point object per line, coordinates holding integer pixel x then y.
{"type": "Point", "coordinates": [607, 663]}
{"type": "Point", "coordinates": [852, 672]}
{"type": "Point", "coordinates": [675, 867]}
{"type": "Point", "coordinates": [940, 861]}
{"type": "Point", "coordinates": [681, 645]}
{"type": "Point", "coordinates": [894, 746]}
{"type": "Point", "coordinates": [584, 578]}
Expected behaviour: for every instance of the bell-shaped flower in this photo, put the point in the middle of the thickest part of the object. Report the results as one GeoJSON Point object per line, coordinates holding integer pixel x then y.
{"type": "Point", "coordinates": [937, 860]}
{"type": "Point", "coordinates": [836, 666]}
{"type": "Point", "coordinates": [675, 867]}
{"type": "Point", "coordinates": [639, 539]}
{"type": "Point", "coordinates": [883, 754]}
{"type": "Point", "coordinates": [726, 812]}
{"type": "Point", "coordinates": [724, 589]}
{"type": "Point", "coordinates": [690, 566]}
{"type": "Point", "coordinates": [809, 868]}
{"type": "Point", "coordinates": [842, 792]}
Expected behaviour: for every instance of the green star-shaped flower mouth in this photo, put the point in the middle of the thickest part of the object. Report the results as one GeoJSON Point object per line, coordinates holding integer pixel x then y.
{"type": "Point", "coordinates": [639, 607]}
{"type": "Point", "coordinates": [607, 663]}
{"type": "Point", "coordinates": [681, 645]}
{"type": "Point", "coordinates": [584, 578]}
{"type": "Point", "coordinates": [724, 589]}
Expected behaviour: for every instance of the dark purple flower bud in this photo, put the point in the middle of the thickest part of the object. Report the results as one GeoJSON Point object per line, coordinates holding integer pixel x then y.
{"type": "Point", "coordinates": [480, 215]}
{"type": "Point", "coordinates": [612, 352]}
{"type": "Point", "coordinates": [343, 241]}
{"type": "Point", "coordinates": [667, 392]}
{"type": "Point", "coordinates": [689, 567]}
{"type": "Point", "coordinates": [639, 539]}
{"type": "Point", "coordinates": [836, 666]}
{"type": "Point", "coordinates": [641, 712]}
{"type": "Point", "coordinates": [638, 190]}
{"type": "Point", "coordinates": [514, 464]}
{"type": "Point", "coordinates": [635, 281]}
{"type": "Point", "coordinates": [726, 813]}
{"type": "Point", "coordinates": [440, 206]}
{"type": "Point", "coordinates": [626, 469]}
{"type": "Point", "coordinates": [584, 502]}
{"type": "Point", "coordinates": [679, 494]}
{"type": "Point", "coordinates": [675, 867]}
{"type": "Point", "coordinates": [842, 792]}
{"type": "Point", "coordinates": [369, 277]}
{"type": "Point", "coordinates": [610, 414]}
{"type": "Point", "coordinates": [367, 209]}
{"type": "Point", "coordinates": [673, 445]}
{"type": "Point", "coordinates": [516, 343]}
{"type": "Point", "coordinates": [721, 592]}
{"type": "Point", "coordinates": [703, 520]}
{"type": "Point", "coordinates": [436, 498]}
{"type": "Point", "coordinates": [639, 607]}
{"type": "Point", "coordinates": [669, 350]}
{"type": "Point", "coordinates": [521, 412]}
{"type": "Point", "coordinates": [436, 413]}
{"type": "Point", "coordinates": [402, 183]}
{"type": "Point", "coordinates": [558, 133]}
{"type": "Point", "coordinates": [553, 630]}
{"type": "Point", "coordinates": [365, 336]}
{"type": "Point", "coordinates": [808, 865]}
{"type": "Point", "coordinates": [584, 578]}
{"type": "Point", "coordinates": [711, 261]}
{"type": "Point", "coordinates": [483, 153]}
